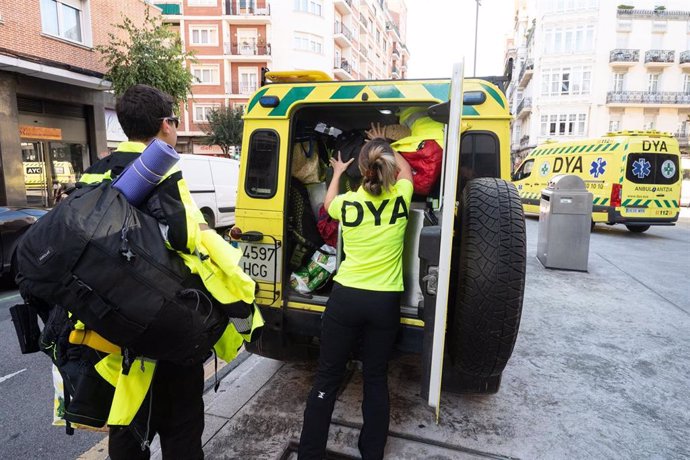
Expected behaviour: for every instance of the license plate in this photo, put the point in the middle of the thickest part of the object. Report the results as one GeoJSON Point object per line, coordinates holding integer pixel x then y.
{"type": "Point", "coordinates": [261, 261]}
{"type": "Point", "coordinates": [635, 210]}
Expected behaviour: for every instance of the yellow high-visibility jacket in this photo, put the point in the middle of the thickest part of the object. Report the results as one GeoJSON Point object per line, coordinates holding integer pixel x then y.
{"type": "Point", "coordinates": [220, 273]}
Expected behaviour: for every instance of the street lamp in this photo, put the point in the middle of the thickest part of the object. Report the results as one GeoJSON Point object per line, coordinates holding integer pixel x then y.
{"type": "Point", "coordinates": [476, 27]}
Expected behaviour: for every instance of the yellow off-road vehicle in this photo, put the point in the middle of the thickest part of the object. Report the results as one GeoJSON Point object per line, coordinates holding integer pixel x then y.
{"type": "Point", "coordinates": [464, 256]}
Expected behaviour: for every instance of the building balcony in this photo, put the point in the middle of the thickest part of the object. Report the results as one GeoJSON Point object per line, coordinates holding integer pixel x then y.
{"type": "Point", "coordinates": [342, 70]}
{"type": "Point", "coordinates": [392, 27]}
{"type": "Point", "coordinates": [242, 89]}
{"type": "Point", "coordinates": [342, 35]}
{"type": "Point", "coordinates": [247, 51]}
{"type": "Point", "coordinates": [654, 14]}
{"type": "Point", "coordinates": [404, 49]}
{"type": "Point", "coordinates": [627, 98]}
{"type": "Point", "coordinates": [526, 73]}
{"type": "Point", "coordinates": [242, 11]}
{"type": "Point", "coordinates": [343, 6]}
{"type": "Point", "coordinates": [524, 108]}
{"type": "Point", "coordinates": [659, 58]}
{"type": "Point", "coordinates": [624, 57]}
{"type": "Point", "coordinates": [395, 73]}
{"type": "Point", "coordinates": [395, 52]}
{"type": "Point", "coordinates": [685, 60]}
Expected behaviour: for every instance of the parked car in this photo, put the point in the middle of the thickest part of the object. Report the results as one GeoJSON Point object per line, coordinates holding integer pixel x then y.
{"type": "Point", "coordinates": [14, 222]}
{"type": "Point", "coordinates": [213, 183]}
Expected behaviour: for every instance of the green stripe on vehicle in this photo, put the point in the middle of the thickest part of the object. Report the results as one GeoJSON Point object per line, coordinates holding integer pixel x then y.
{"type": "Point", "coordinates": [590, 148]}
{"type": "Point", "coordinates": [493, 94]}
{"type": "Point", "coordinates": [675, 203]}
{"type": "Point", "coordinates": [469, 111]}
{"type": "Point", "coordinates": [295, 94]}
{"type": "Point", "coordinates": [440, 91]}
{"type": "Point", "coordinates": [658, 204]}
{"type": "Point", "coordinates": [605, 201]}
{"type": "Point", "coordinates": [255, 99]}
{"type": "Point", "coordinates": [582, 149]}
{"type": "Point", "coordinates": [626, 202]}
{"type": "Point", "coordinates": [599, 147]}
{"type": "Point", "coordinates": [387, 92]}
{"type": "Point", "coordinates": [347, 92]}
{"type": "Point", "coordinates": [596, 201]}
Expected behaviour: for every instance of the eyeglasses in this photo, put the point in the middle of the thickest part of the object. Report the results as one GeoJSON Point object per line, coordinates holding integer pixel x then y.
{"type": "Point", "coordinates": [173, 120]}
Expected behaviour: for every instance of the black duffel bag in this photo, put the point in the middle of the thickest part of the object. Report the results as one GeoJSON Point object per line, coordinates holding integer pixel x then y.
{"type": "Point", "coordinates": [107, 263]}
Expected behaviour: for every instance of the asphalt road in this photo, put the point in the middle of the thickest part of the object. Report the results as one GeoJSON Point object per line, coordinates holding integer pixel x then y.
{"type": "Point", "coordinates": [26, 401]}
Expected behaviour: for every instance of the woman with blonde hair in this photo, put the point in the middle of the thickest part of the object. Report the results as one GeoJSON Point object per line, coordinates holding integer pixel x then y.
{"type": "Point", "coordinates": [364, 305]}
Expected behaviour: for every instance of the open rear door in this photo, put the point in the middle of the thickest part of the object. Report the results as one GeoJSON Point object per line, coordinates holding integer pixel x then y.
{"type": "Point", "coordinates": [450, 184]}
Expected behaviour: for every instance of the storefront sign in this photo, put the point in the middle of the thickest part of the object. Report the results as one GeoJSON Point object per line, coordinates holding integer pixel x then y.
{"type": "Point", "coordinates": [40, 132]}
{"type": "Point", "coordinates": [207, 150]}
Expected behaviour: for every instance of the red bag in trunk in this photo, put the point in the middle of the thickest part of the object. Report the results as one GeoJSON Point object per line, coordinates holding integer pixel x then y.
{"type": "Point", "coordinates": [426, 165]}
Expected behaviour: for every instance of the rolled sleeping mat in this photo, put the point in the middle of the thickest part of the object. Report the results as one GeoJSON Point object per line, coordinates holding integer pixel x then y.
{"type": "Point", "coordinates": [142, 176]}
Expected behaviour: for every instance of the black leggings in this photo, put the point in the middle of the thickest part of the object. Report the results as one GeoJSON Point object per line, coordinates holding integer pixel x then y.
{"type": "Point", "coordinates": [352, 315]}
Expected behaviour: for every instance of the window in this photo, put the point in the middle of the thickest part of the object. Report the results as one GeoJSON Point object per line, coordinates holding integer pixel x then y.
{"type": "Point", "coordinates": [614, 124]}
{"type": "Point", "coordinates": [204, 35]}
{"type": "Point", "coordinates": [64, 19]}
{"type": "Point", "coordinates": [649, 122]}
{"type": "Point", "coordinates": [658, 168]}
{"type": "Point", "coordinates": [524, 171]}
{"type": "Point", "coordinates": [686, 84]}
{"type": "Point", "coordinates": [262, 164]}
{"type": "Point", "coordinates": [206, 74]}
{"type": "Point", "coordinates": [566, 81]}
{"type": "Point", "coordinates": [308, 42]}
{"type": "Point", "coordinates": [618, 81]}
{"type": "Point", "coordinates": [574, 39]}
{"type": "Point", "coordinates": [309, 6]}
{"type": "Point", "coordinates": [249, 79]}
{"type": "Point", "coordinates": [479, 156]}
{"type": "Point", "coordinates": [201, 112]}
{"type": "Point", "coordinates": [564, 124]}
{"type": "Point", "coordinates": [653, 83]}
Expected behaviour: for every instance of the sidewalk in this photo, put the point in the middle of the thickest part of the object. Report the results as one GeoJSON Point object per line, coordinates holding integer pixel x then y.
{"type": "Point", "coordinates": [599, 371]}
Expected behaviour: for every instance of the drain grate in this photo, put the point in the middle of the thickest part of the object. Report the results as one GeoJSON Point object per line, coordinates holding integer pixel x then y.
{"type": "Point", "coordinates": [290, 453]}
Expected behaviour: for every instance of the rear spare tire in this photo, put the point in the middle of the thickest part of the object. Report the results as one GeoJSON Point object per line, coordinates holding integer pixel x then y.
{"type": "Point", "coordinates": [491, 278]}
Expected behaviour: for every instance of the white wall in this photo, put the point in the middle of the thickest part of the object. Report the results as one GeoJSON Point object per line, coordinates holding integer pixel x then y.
{"type": "Point", "coordinates": [286, 21]}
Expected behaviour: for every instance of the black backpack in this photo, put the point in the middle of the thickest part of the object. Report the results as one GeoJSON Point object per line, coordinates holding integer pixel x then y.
{"type": "Point", "coordinates": [106, 262]}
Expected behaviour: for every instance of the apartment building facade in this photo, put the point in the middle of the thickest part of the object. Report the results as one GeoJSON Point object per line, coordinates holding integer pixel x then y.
{"type": "Point", "coordinates": [583, 68]}
{"type": "Point", "coordinates": [53, 109]}
{"type": "Point", "coordinates": [233, 40]}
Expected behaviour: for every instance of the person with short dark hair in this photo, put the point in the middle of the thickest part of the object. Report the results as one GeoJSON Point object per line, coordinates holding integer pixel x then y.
{"type": "Point", "coordinates": [364, 305]}
{"type": "Point", "coordinates": [173, 406]}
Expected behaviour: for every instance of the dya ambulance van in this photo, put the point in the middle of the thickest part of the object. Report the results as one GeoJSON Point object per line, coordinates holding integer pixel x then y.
{"type": "Point", "coordinates": [464, 254]}
{"type": "Point", "coordinates": [634, 176]}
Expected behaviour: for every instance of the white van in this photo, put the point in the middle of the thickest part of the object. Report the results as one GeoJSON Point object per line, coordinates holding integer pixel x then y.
{"type": "Point", "coordinates": [213, 183]}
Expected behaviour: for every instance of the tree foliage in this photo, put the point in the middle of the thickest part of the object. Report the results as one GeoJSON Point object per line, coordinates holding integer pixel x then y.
{"type": "Point", "coordinates": [224, 128]}
{"type": "Point", "coordinates": [149, 54]}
